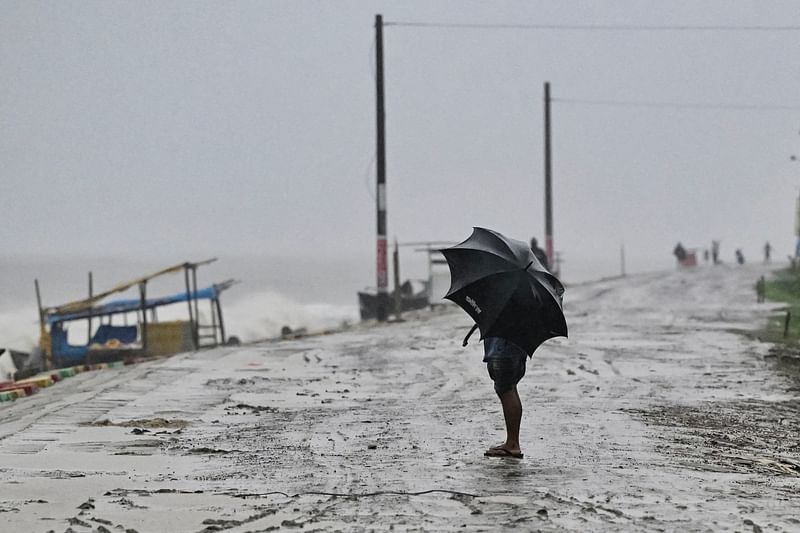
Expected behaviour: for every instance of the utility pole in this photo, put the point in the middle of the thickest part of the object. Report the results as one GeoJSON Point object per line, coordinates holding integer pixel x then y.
{"type": "Point", "coordinates": [548, 188]}
{"type": "Point", "coordinates": [380, 195]}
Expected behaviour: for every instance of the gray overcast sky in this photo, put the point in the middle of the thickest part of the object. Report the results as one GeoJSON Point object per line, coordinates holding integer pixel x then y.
{"type": "Point", "coordinates": [248, 127]}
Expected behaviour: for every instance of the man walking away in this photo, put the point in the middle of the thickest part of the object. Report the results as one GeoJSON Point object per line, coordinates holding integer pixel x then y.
{"type": "Point", "coordinates": [505, 362]}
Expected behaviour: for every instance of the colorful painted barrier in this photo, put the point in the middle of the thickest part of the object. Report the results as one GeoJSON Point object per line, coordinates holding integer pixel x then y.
{"type": "Point", "coordinates": [40, 381]}
{"type": "Point", "coordinates": [27, 388]}
{"type": "Point", "coordinates": [8, 396]}
{"type": "Point", "coordinates": [12, 390]}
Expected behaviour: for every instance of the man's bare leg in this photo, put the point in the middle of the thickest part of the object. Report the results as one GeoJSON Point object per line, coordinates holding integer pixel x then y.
{"type": "Point", "coordinates": [512, 412]}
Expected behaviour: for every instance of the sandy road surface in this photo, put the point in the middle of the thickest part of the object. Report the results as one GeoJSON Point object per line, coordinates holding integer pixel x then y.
{"type": "Point", "coordinates": [655, 415]}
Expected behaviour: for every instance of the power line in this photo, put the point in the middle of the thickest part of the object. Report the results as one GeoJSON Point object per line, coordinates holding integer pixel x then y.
{"type": "Point", "coordinates": [678, 105]}
{"type": "Point", "coordinates": [594, 27]}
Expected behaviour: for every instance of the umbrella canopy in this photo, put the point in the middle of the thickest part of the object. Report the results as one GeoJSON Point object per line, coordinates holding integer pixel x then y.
{"type": "Point", "coordinates": [508, 293]}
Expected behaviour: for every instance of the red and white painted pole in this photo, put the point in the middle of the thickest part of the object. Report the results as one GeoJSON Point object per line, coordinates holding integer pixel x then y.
{"type": "Point", "coordinates": [380, 196]}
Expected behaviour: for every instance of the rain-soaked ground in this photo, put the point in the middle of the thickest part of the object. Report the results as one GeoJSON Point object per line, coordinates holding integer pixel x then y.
{"type": "Point", "coordinates": [656, 414]}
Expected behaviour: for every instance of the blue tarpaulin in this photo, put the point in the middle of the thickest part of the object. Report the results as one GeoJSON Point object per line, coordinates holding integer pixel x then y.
{"type": "Point", "coordinates": [133, 304]}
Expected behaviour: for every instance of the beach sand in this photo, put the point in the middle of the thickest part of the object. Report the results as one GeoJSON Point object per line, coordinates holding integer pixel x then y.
{"type": "Point", "coordinates": [656, 414]}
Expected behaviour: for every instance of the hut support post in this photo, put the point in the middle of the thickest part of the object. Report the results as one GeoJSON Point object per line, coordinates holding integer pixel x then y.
{"type": "Point", "coordinates": [189, 301]}
{"type": "Point", "coordinates": [219, 318]}
{"type": "Point", "coordinates": [196, 330]}
{"type": "Point", "coordinates": [89, 320]}
{"type": "Point", "coordinates": [47, 347]}
{"type": "Point", "coordinates": [213, 321]}
{"type": "Point", "coordinates": [143, 303]}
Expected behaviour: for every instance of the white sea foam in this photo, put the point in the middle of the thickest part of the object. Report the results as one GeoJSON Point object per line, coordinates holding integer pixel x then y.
{"type": "Point", "coordinates": [19, 329]}
{"type": "Point", "coordinates": [262, 314]}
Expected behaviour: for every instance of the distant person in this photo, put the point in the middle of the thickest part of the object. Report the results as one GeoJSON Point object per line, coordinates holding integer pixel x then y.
{"type": "Point", "coordinates": [739, 256]}
{"type": "Point", "coordinates": [767, 252]}
{"type": "Point", "coordinates": [761, 289]}
{"type": "Point", "coordinates": [539, 253]}
{"type": "Point", "coordinates": [715, 252]}
{"type": "Point", "coordinates": [680, 253]}
{"type": "Point", "coordinates": [705, 255]}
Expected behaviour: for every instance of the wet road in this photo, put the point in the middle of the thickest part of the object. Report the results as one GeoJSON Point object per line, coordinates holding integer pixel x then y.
{"type": "Point", "coordinates": [656, 414]}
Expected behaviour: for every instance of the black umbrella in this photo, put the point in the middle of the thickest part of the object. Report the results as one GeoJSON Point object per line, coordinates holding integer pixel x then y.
{"type": "Point", "coordinates": [505, 289]}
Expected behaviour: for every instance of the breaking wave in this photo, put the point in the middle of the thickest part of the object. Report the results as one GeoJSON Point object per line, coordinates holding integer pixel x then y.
{"type": "Point", "coordinates": [262, 315]}
{"type": "Point", "coordinates": [19, 329]}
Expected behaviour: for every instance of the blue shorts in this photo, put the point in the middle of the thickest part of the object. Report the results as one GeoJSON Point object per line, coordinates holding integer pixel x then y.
{"type": "Point", "coordinates": [505, 362]}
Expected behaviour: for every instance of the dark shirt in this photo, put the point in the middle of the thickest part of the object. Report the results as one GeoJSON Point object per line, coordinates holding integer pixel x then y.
{"type": "Point", "coordinates": [497, 347]}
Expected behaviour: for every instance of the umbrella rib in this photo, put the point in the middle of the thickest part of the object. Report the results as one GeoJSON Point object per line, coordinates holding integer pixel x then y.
{"type": "Point", "coordinates": [498, 239]}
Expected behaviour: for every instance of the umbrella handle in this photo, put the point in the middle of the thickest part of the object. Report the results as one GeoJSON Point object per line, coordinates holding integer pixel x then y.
{"type": "Point", "coordinates": [471, 331]}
